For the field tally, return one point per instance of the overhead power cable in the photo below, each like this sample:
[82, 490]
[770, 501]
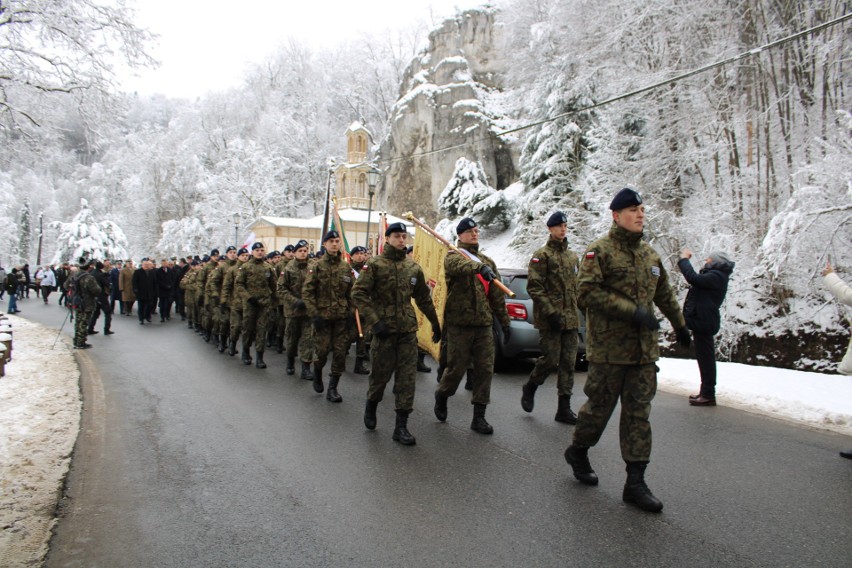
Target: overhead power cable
[657, 85]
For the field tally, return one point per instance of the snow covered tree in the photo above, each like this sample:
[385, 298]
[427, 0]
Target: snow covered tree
[183, 237]
[24, 231]
[86, 238]
[468, 194]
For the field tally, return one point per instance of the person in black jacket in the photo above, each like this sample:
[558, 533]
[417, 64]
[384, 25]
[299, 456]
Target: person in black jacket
[701, 311]
[145, 290]
[165, 276]
[101, 274]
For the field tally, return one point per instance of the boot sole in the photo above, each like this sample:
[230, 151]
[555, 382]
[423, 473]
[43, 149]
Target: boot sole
[579, 476]
[649, 508]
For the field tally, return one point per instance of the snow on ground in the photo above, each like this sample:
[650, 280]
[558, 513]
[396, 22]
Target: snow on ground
[40, 409]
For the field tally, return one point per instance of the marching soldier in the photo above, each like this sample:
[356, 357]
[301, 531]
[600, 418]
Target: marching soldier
[206, 311]
[358, 255]
[327, 295]
[383, 294]
[232, 298]
[189, 287]
[472, 304]
[552, 285]
[299, 337]
[621, 279]
[256, 283]
[221, 309]
[86, 292]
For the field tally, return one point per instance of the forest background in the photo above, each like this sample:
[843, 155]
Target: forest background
[752, 157]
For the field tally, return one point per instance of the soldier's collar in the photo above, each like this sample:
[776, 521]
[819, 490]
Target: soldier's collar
[469, 247]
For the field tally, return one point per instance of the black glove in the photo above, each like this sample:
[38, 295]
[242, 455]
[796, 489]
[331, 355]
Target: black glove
[436, 333]
[252, 301]
[507, 334]
[486, 272]
[683, 337]
[381, 330]
[319, 323]
[643, 318]
[299, 305]
[555, 322]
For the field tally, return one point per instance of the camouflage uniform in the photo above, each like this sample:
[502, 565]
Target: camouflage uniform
[327, 295]
[469, 312]
[221, 303]
[234, 300]
[299, 331]
[361, 343]
[88, 291]
[619, 273]
[383, 293]
[552, 285]
[211, 291]
[280, 328]
[256, 283]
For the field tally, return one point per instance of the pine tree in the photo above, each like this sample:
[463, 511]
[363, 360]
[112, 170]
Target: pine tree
[86, 238]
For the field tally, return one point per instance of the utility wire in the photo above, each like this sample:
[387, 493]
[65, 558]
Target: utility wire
[723, 62]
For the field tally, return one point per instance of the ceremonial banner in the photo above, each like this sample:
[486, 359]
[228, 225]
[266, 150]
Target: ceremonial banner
[429, 253]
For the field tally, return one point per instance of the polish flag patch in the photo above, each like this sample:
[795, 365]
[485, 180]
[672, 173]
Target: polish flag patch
[590, 255]
[536, 260]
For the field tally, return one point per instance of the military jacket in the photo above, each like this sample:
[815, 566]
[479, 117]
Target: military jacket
[203, 274]
[327, 291]
[467, 303]
[213, 285]
[88, 289]
[552, 284]
[385, 288]
[290, 285]
[256, 279]
[229, 291]
[618, 273]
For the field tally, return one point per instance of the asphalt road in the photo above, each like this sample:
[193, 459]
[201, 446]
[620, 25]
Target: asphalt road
[188, 458]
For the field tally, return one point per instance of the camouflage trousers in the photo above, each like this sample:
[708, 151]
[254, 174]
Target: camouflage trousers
[636, 386]
[300, 338]
[210, 316]
[466, 346]
[396, 355]
[360, 342]
[81, 325]
[236, 322]
[255, 323]
[334, 337]
[280, 324]
[558, 353]
[222, 317]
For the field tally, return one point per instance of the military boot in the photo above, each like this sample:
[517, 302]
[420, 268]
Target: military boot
[479, 424]
[207, 335]
[440, 372]
[291, 365]
[528, 396]
[223, 343]
[440, 407]
[279, 344]
[246, 355]
[422, 367]
[563, 411]
[360, 369]
[317, 378]
[635, 490]
[259, 362]
[578, 458]
[232, 348]
[332, 395]
[370, 414]
[306, 372]
[401, 433]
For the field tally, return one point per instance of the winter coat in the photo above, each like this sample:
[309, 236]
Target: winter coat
[468, 303]
[114, 274]
[144, 285]
[11, 283]
[843, 292]
[327, 290]
[125, 284]
[290, 285]
[706, 294]
[619, 273]
[552, 285]
[47, 278]
[165, 279]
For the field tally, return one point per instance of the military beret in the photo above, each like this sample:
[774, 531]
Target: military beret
[625, 198]
[276, 253]
[395, 228]
[464, 225]
[230, 248]
[194, 263]
[332, 234]
[243, 250]
[196, 257]
[557, 219]
[145, 259]
[205, 258]
[356, 250]
[257, 245]
[214, 252]
[289, 248]
[301, 244]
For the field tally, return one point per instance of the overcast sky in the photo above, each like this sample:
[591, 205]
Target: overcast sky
[205, 45]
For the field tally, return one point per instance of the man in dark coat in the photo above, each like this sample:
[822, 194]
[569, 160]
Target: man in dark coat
[102, 277]
[115, 291]
[165, 278]
[701, 311]
[145, 290]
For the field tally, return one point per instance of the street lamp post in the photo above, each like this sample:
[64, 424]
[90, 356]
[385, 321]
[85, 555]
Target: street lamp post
[236, 229]
[372, 180]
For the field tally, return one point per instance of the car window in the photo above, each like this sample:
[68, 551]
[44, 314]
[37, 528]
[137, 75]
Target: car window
[518, 285]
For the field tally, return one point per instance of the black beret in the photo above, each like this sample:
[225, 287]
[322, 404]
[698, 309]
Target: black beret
[301, 244]
[625, 198]
[214, 252]
[557, 219]
[205, 258]
[356, 250]
[288, 248]
[243, 250]
[395, 228]
[257, 245]
[145, 259]
[269, 255]
[194, 263]
[196, 257]
[332, 234]
[230, 248]
[464, 225]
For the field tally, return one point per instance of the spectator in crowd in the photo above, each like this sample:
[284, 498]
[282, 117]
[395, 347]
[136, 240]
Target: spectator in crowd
[11, 287]
[47, 281]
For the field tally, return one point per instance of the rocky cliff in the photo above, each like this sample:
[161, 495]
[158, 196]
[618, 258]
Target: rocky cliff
[448, 110]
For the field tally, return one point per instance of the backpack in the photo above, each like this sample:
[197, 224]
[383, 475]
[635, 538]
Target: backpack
[73, 299]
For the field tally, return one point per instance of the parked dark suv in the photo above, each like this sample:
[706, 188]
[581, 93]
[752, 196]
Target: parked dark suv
[524, 340]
